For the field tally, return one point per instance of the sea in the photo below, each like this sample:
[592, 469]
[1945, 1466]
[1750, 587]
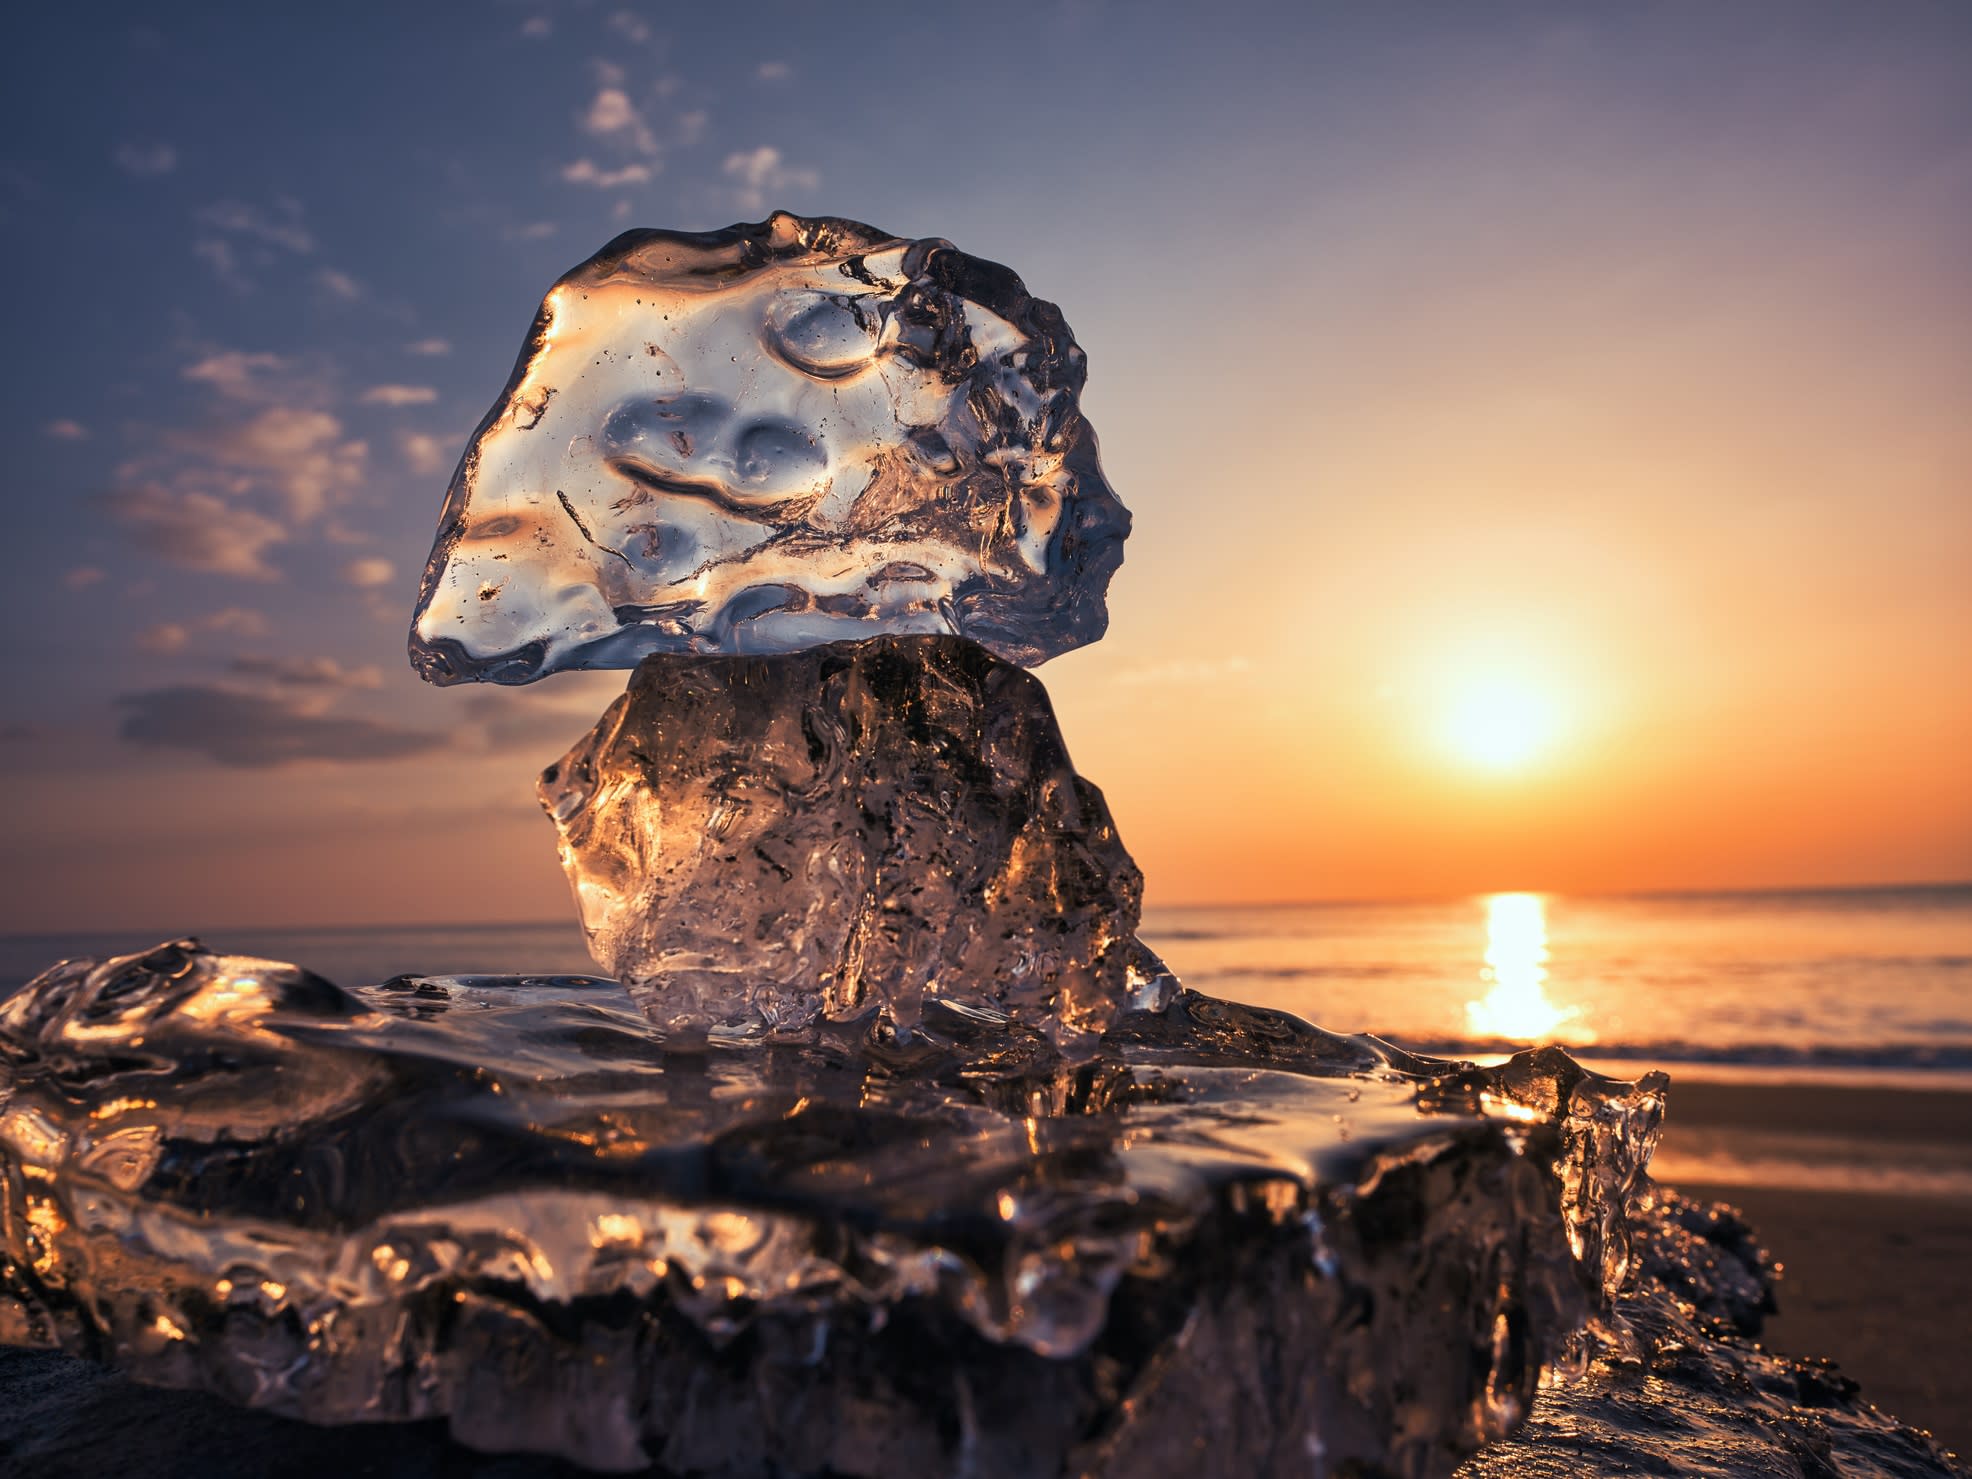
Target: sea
[1850, 983]
[1777, 994]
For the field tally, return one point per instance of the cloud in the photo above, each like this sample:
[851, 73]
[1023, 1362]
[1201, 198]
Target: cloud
[241, 621]
[761, 170]
[198, 531]
[67, 431]
[617, 122]
[369, 571]
[612, 116]
[306, 672]
[429, 346]
[84, 576]
[399, 395]
[339, 284]
[295, 451]
[425, 454]
[279, 227]
[271, 436]
[537, 28]
[523, 721]
[253, 730]
[630, 26]
[530, 230]
[224, 262]
[239, 236]
[773, 71]
[174, 636]
[587, 172]
[234, 373]
[164, 638]
[610, 112]
[148, 160]
[691, 126]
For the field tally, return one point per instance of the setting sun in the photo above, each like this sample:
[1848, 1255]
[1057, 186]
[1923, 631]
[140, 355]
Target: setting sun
[1500, 722]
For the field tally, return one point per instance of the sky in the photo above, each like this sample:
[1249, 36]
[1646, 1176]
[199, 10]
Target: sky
[1545, 424]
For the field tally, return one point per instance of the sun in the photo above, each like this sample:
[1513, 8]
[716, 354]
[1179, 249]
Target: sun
[1500, 722]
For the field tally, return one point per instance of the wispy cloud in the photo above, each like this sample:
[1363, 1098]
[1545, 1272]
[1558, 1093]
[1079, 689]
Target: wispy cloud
[429, 346]
[218, 254]
[165, 638]
[281, 226]
[198, 531]
[84, 576]
[529, 230]
[537, 28]
[234, 373]
[399, 395]
[773, 71]
[424, 453]
[306, 672]
[630, 26]
[619, 125]
[273, 434]
[259, 729]
[759, 172]
[339, 284]
[511, 720]
[240, 621]
[146, 161]
[67, 431]
[238, 239]
[369, 572]
[587, 172]
[298, 453]
[613, 116]
[169, 637]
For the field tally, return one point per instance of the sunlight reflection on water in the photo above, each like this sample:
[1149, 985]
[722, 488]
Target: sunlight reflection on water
[1516, 1005]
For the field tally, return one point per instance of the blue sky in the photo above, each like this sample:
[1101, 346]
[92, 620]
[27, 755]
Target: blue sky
[1395, 314]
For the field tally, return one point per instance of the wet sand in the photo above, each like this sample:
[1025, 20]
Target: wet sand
[1878, 1280]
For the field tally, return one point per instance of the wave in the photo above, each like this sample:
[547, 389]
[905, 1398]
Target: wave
[1914, 1056]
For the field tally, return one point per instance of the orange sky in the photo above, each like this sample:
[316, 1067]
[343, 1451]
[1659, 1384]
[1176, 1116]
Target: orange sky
[1629, 359]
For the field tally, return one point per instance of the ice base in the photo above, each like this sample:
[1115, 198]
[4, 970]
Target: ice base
[756, 842]
[1230, 1244]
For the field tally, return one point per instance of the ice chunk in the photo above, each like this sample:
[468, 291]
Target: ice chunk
[762, 438]
[755, 842]
[1232, 1244]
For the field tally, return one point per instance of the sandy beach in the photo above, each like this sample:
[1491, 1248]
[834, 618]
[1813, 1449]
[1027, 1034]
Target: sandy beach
[1860, 1193]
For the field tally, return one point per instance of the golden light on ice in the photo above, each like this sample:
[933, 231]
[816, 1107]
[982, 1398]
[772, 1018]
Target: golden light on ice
[1516, 1005]
[1500, 721]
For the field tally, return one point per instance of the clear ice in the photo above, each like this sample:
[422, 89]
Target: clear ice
[758, 841]
[768, 437]
[1230, 1244]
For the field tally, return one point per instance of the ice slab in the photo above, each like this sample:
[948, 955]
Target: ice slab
[757, 439]
[757, 842]
[1231, 1244]
[1700, 1398]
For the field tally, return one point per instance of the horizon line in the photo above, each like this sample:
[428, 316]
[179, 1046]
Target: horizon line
[1330, 902]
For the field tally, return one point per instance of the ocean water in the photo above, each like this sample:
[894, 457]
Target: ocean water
[1865, 981]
